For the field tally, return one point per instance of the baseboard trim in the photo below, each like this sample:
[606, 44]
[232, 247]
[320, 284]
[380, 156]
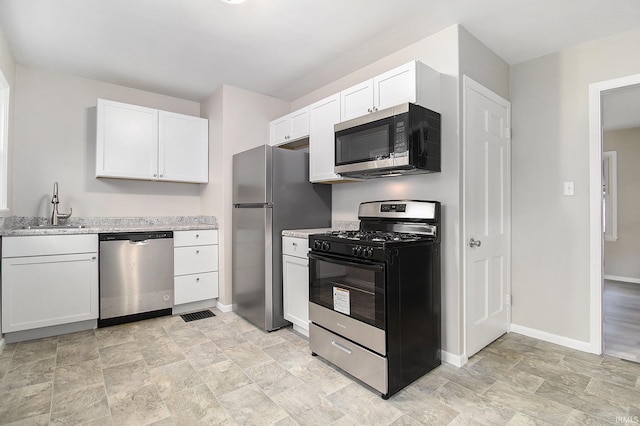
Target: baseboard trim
[455, 360]
[552, 338]
[622, 279]
[224, 308]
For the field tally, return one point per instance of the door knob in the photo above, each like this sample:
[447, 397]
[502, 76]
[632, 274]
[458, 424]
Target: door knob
[474, 243]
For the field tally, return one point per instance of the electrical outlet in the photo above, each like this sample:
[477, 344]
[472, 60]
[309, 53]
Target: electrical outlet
[569, 188]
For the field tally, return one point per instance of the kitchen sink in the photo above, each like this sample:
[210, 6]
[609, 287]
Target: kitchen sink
[52, 227]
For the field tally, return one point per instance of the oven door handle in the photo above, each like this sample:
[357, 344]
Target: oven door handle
[377, 267]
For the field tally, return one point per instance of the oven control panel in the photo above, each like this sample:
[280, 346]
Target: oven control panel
[350, 249]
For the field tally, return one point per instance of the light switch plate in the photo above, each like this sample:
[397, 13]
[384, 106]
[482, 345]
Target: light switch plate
[569, 188]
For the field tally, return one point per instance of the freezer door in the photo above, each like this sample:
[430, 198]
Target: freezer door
[252, 176]
[251, 265]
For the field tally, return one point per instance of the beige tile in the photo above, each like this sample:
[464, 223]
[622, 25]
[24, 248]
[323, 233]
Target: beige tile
[41, 420]
[248, 405]
[225, 336]
[175, 377]
[406, 421]
[272, 378]
[197, 405]
[306, 406]
[74, 353]
[263, 339]
[188, 337]
[288, 354]
[162, 354]
[79, 405]
[123, 353]
[475, 381]
[246, 355]
[321, 376]
[224, 377]
[554, 373]
[115, 335]
[493, 367]
[480, 408]
[25, 402]
[151, 336]
[126, 377]
[204, 355]
[84, 374]
[30, 373]
[80, 337]
[617, 395]
[520, 419]
[34, 350]
[138, 406]
[364, 406]
[579, 418]
[238, 323]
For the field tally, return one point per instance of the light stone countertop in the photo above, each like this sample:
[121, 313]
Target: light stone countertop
[15, 226]
[336, 226]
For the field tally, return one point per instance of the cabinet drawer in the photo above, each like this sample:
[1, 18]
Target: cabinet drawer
[195, 238]
[196, 259]
[361, 363]
[195, 287]
[294, 246]
[47, 245]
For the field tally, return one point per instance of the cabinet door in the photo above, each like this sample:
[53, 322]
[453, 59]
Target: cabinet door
[323, 116]
[195, 287]
[357, 100]
[183, 145]
[126, 141]
[295, 272]
[42, 291]
[280, 129]
[395, 87]
[299, 124]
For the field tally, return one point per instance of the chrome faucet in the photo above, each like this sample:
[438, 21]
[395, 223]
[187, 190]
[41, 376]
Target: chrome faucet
[55, 200]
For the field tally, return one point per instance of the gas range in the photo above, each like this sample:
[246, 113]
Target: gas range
[383, 225]
[374, 294]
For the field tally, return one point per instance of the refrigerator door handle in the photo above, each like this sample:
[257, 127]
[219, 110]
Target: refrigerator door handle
[253, 206]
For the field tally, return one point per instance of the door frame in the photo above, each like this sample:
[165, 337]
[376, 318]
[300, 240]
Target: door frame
[469, 83]
[596, 236]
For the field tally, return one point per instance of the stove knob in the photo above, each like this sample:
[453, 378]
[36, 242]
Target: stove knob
[326, 246]
[356, 250]
[367, 252]
[317, 245]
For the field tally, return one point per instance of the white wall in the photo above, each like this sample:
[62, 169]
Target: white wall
[621, 256]
[54, 140]
[550, 232]
[449, 52]
[8, 67]
[239, 120]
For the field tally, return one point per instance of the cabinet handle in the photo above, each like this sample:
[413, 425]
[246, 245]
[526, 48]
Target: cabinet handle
[161, 175]
[369, 110]
[375, 109]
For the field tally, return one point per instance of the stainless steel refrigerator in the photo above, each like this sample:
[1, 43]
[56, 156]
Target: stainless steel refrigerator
[271, 192]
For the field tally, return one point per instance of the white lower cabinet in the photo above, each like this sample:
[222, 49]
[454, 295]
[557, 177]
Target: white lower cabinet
[195, 265]
[295, 276]
[48, 280]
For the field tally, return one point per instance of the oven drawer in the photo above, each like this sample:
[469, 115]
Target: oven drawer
[365, 365]
[363, 333]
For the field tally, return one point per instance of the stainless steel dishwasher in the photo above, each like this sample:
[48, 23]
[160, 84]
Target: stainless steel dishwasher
[136, 276]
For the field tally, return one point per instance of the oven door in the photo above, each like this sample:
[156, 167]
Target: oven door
[352, 287]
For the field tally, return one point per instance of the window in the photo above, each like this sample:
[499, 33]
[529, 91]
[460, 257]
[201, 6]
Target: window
[4, 139]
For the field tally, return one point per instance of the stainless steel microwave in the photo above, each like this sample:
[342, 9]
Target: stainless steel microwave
[404, 139]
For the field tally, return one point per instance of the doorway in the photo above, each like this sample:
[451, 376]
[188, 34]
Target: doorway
[598, 94]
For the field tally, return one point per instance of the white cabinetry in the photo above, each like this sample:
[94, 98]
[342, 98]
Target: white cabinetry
[195, 265]
[412, 82]
[323, 115]
[134, 142]
[48, 280]
[295, 276]
[291, 127]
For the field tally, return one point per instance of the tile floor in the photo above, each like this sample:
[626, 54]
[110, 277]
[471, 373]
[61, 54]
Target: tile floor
[222, 370]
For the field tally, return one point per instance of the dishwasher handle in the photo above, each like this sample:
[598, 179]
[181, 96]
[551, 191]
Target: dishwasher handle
[139, 242]
[135, 237]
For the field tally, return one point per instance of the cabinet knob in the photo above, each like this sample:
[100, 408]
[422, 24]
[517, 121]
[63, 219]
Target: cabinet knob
[369, 110]
[161, 175]
[93, 258]
[197, 251]
[295, 244]
[198, 279]
[375, 109]
[197, 235]
[155, 175]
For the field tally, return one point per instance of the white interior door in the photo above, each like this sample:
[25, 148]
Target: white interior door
[487, 210]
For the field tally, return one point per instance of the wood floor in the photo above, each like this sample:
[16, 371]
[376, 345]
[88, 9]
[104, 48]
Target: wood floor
[622, 320]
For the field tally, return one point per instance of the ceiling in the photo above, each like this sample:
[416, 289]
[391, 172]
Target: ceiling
[282, 48]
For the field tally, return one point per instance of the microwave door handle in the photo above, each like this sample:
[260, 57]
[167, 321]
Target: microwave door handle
[371, 266]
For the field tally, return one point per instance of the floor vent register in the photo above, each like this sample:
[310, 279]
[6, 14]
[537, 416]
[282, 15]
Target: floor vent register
[197, 315]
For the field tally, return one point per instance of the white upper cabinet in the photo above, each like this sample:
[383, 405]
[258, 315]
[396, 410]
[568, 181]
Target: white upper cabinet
[290, 128]
[183, 148]
[412, 82]
[323, 115]
[134, 142]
